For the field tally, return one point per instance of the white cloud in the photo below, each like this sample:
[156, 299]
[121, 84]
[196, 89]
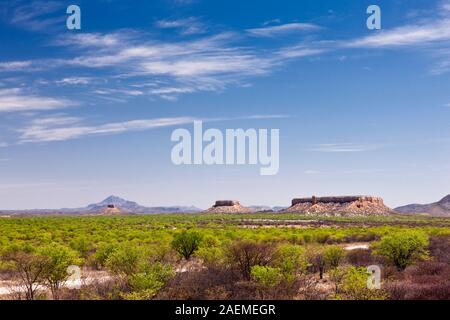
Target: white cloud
[132, 58]
[107, 91]
[210, 63]
[187, 26]
[273, 21]
[278, 30]
[75, 81]
[342, 148]
[409, 35]
[96, 40]
[299, 51]
[15, 66]
[60, 127]
[65, 128]
[430, 33]
[34, 15]
[15, 99]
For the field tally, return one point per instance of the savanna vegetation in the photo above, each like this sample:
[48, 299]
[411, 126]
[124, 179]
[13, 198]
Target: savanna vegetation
[258, 256]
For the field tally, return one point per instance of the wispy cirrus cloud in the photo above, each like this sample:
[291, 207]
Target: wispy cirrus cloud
[62, 128]
[16, 99]
[186, 26]
[342, 147]
[73, 81]
[109, 91]
[15, 66]
[34, 15]
[408, 35]
[167, 69]
[429, 33]
[131, 57]
[95, 40]
[282, 29]
[210, 63]
[301, 50]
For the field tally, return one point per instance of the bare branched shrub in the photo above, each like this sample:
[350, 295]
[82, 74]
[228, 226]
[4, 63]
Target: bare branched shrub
[362, 258]
[200, 285]
[243, 255]
[98, 290]
[29, 268]
[427, 280]
[439, 248]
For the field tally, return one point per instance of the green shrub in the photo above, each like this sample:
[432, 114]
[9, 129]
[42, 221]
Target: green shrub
[351, 284]
[333, 256]
[82, 245]
[103, 252]
[291, 260]
[211, 256]
[148, 281]
[266, 276]
[403, 248]
[125, 260]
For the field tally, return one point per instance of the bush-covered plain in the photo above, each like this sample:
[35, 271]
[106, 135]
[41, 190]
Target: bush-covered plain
[214, 256]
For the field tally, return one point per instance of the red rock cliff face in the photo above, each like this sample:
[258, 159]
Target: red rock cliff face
[340, 206]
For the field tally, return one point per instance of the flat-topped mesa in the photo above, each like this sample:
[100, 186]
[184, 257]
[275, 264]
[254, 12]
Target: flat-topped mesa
[340, 206]
[228, 206]
[341, 200]
[226, 203]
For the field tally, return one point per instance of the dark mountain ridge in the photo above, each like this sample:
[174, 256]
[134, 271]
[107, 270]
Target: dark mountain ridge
[440, 208]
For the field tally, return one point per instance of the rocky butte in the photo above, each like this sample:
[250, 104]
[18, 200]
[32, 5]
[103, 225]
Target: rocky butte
[228, 206]
[340, 206]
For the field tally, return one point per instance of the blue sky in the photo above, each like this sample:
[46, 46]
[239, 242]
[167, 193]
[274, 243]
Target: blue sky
[89, 113]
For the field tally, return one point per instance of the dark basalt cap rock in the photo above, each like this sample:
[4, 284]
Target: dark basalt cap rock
[226, 203]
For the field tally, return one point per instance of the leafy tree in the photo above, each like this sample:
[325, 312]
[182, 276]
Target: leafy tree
[403, 248]
[58, 259]
[186, 243]
[268, 277]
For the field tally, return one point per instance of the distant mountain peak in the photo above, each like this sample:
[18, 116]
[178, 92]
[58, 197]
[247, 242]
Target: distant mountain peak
[445, 199]
[113, 198]
[112, 205]
[116, 201]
